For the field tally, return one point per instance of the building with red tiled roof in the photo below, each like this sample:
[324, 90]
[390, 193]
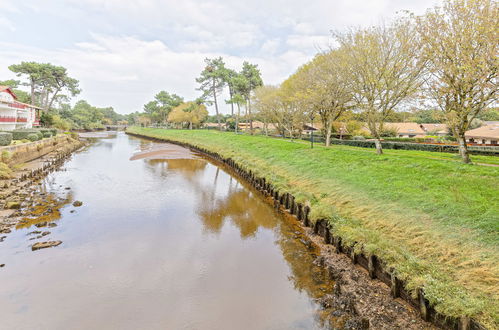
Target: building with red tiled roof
[15, 114]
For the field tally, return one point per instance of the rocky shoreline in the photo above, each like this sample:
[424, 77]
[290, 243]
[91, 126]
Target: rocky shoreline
[23, 203]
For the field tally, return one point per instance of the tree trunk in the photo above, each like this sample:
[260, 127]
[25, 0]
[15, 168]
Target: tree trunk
[379, 148]
[328, 134]
[463, 149]
[33, 91]
[216, 105]
[250, 118]
[231, 103]
[52, 99]
[190, 125]
[237, 117]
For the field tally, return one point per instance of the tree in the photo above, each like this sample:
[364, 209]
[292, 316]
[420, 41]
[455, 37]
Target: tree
[460, 42]
[253, 80]
[160, 107]
[46, 81]
[240, 86]
[192, 113]
[384, 68]
[228, 77]
[324, 87]
[212, 80]
[266, 101]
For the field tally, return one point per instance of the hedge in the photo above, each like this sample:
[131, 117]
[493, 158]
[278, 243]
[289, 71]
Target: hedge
[493, 151]
[5, 138]
[33, 137]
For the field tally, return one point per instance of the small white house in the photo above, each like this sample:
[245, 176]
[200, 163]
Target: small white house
[15, 114]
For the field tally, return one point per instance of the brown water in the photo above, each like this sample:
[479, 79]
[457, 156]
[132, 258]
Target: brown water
[165, 239]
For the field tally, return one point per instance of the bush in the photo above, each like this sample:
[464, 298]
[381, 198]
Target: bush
[54, 131]
[21, 134]
[358, 138]
[400, 139]
[416, 146]
[33, 137]
[5, 138]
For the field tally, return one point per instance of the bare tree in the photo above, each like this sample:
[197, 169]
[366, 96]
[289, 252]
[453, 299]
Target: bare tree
[384, 67]
[461, 44]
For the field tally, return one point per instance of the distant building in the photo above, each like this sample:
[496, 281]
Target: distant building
[485, 135]
[15, 114]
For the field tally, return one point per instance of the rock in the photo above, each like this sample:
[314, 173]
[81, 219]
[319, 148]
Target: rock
[34, 232]
[41, 224]
[77, 203]
[67, 188]
[72, 211]
[44, 245]
[12, 205]
[52, 224]
[2, 265]
[45, 233]
[356, 323]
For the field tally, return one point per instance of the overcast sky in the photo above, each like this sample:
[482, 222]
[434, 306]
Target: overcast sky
[124, 51]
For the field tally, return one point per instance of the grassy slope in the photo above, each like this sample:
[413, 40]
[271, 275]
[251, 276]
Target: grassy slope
[434, 219]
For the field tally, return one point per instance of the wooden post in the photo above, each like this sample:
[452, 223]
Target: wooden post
[371, 266]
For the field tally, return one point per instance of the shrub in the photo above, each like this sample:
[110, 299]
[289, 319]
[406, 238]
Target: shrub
[400, 139]
[33, 137]
[5, 138]
[417, 146]
[46, 132]
[21, 134]
[358, 138]
[54, 131]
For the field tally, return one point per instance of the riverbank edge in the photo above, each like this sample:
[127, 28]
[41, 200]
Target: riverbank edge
[37, 169]
[375, 266]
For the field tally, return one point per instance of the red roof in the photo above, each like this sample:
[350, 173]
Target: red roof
[8, 90]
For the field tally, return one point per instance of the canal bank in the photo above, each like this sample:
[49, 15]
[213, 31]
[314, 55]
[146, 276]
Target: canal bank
[26, 165]
[377, 267]
[167, 238]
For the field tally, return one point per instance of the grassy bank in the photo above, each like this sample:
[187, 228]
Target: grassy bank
[435, 220]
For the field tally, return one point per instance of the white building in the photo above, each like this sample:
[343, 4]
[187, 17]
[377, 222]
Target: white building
[15, 114]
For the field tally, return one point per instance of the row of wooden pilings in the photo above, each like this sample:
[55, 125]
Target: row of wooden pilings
[374, 265]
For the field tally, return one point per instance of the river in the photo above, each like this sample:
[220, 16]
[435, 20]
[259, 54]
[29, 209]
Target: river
[165, 239]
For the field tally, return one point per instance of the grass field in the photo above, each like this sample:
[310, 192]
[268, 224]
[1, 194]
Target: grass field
[432, 218]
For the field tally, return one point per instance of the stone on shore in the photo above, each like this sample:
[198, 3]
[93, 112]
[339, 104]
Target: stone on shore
[43, 245]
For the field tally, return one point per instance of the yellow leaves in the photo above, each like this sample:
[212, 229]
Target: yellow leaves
[188, 112]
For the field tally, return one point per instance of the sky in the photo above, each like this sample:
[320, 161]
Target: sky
[123, 52]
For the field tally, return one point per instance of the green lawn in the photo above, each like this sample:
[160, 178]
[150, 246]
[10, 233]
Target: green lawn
[434, 219]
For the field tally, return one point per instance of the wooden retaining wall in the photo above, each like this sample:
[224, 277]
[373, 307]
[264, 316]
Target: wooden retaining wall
[376, 268]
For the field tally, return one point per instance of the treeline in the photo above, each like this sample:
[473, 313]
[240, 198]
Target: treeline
[215, 77]
[445, 60]
[51, 88]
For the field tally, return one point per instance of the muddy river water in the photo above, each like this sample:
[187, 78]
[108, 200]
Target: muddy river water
[165, 239]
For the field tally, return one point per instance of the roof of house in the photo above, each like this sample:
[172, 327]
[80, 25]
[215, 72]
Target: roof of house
[406, 128]
[8, 90]
[486, 131]
[439, 128]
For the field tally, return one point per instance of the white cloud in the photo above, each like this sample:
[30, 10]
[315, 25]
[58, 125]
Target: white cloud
[128, 50]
